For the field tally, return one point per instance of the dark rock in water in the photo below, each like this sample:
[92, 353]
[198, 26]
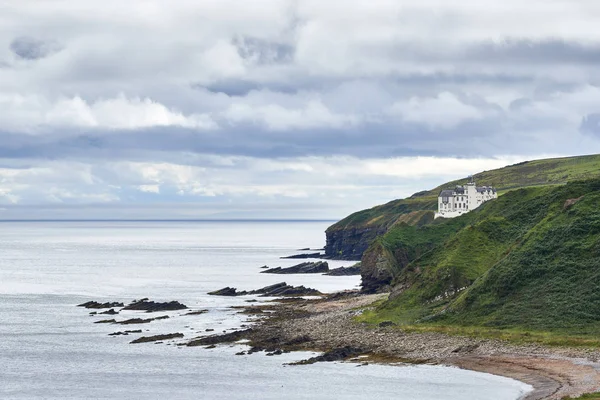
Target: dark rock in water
[241, 353]
[293, 291]
[278, 289]
[124, 333]
[151, 306]
[209, 330]
[156, 338]
[140, 320]
[277, 352]
[264, 267]
[106, 321]
[212, 346]
[110, 312]
[93, 313]
[345, 271]
[224, 338]
[197, 312]
[96, 305]
[226, 291]
[333, 355]
[304, 268]
[304, 249]
[300, 256]
[385, 324]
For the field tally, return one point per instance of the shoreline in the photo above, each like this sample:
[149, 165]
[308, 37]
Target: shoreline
[326, 324]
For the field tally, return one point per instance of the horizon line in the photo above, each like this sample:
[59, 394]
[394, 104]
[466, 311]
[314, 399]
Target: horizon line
[175, 220]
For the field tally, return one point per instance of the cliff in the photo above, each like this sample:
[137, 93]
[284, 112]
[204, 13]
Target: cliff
[349, 238]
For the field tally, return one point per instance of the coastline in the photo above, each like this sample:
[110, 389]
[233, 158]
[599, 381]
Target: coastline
[326, 324]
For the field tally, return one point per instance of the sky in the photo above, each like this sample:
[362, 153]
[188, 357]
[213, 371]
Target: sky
[146, 109]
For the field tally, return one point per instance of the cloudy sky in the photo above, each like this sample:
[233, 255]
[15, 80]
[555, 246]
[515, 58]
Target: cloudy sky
[281, 108]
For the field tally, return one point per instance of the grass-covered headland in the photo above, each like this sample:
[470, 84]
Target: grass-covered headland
[524, 267]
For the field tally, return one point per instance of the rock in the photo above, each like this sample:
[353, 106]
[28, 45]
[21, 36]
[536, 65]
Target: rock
[303, 268]
[241, 353]
[124, 333]
[571, 202]
[345, 271]
[209, 330]
[305, 249]
[300, 256]
[140, 320]
[110, 312]
[156, 338]
[264, 267]
[385, 324]
[95, 304]
[106, 321]
[224, 338]
[151, 306]
[212, 346]
[333, 355]
[278, 289]
[226, 291]
[277, 352]
[293, 291]
[197, 312]
[467, 348]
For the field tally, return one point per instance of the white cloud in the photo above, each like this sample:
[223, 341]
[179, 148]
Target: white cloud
[32, 113]
[443, 111]
[314, 114]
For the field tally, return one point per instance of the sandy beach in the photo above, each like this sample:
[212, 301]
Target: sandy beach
[323, 325]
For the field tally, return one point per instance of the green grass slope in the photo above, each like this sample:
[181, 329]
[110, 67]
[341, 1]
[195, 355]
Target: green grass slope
[524, 261]
[553, 171]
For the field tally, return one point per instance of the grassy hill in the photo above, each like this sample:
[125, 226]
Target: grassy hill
[350, 237]
[528, 261]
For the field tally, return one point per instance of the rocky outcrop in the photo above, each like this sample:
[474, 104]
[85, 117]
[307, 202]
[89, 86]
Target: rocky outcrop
[305, 255]
[151, 306]
[97, 305]
[345, 271]
[350, 243]
[303, 268]
[278, 289]
[225, 338]
[376, 271]
[338, 354]
[132, 321]
[125, 333]
[156, 338]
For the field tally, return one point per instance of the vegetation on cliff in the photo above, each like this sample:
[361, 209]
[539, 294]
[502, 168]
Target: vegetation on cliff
[350, 237]
[529, 260]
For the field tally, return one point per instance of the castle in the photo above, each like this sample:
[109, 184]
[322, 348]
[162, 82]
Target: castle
[461, 200]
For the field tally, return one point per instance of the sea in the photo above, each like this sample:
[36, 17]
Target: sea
[51, 349]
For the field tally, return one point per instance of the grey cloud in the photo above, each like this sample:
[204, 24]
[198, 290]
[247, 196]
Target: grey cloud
[590, 124]
[529, 51]
[32, 49]
[261, 51]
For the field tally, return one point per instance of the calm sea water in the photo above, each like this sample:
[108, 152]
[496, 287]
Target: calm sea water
[51, 349]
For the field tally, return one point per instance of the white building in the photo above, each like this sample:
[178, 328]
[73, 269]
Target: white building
[453, 203]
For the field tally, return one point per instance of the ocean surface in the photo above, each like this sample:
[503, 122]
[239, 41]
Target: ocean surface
[50, 349]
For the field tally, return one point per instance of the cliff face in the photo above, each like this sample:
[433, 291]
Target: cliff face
[351, 243]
